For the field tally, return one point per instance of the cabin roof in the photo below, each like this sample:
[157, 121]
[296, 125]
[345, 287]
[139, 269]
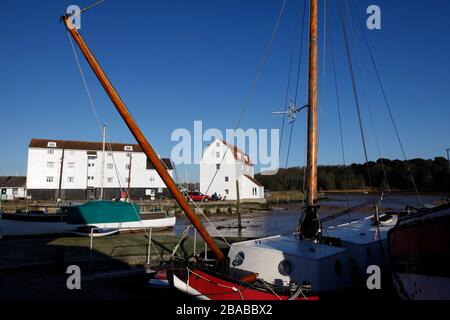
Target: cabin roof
[13, 182]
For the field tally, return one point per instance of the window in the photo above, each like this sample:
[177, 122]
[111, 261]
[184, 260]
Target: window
[109, 154]
[50, 164]
[51, 144]
[227, 191]
[152, 179]
[90, 177]
[226, 179]
[128, 148]
[217, 154]
[70, 179]
[49, 179]
[90, 164]
[109, 180]
[15, 191]
[160, 190]
[71, 164]
[129, 154]
[50, 151]
[127, 166]
[255, 191]
[110, 166]
[218, 166]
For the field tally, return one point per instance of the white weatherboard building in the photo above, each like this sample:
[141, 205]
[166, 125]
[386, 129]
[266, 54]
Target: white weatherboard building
[13, 188]
[236, 166]
[76, 168]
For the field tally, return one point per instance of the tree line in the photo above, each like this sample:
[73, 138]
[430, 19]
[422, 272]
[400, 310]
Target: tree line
[432, 175]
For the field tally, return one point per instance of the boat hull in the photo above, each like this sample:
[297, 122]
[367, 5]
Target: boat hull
[203, 285]
[13, 228]
[419, 253]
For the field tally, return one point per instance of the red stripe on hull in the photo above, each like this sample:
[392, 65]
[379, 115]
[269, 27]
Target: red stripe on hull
[219, 289]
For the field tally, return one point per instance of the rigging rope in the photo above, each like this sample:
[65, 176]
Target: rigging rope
[355, 91]
[288, 86]
[366, 93]
[302, 32]
[94, 109]
[338, 104]
[252, 88]
[388, 106]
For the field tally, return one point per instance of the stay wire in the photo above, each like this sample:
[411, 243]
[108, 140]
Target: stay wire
[366, 93]
[388, 106]
[355, 91]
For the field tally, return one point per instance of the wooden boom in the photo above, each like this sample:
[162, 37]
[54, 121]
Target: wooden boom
[140, 138]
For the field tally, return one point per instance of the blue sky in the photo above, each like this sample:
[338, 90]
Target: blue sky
[177, 61]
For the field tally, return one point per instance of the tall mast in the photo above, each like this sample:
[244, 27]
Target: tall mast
[312, 104]
[310, 223]
[140, 138]
[102, 174]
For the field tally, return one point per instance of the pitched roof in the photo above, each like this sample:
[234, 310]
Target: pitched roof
[91, 146]
[253, 180]
[81, 145]
[238, 154]
[13, 182]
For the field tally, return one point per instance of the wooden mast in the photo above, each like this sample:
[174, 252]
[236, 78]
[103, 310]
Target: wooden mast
[310, 223]
[312, 106]
[140, 138]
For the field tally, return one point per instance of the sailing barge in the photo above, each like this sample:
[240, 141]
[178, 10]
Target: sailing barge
[297, 266]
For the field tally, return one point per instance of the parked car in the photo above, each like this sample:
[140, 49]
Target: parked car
[198, 196]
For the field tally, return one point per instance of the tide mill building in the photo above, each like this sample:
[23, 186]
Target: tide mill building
[81, 170]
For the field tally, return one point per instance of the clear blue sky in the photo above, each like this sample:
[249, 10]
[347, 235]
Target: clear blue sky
[177, 61]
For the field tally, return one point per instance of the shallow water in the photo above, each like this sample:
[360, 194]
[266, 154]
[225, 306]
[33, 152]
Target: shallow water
[270, 223]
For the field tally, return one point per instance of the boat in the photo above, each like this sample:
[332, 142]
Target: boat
[316, 260]
[254, 289]
[120, 215]
[419, 254]
[93, 231]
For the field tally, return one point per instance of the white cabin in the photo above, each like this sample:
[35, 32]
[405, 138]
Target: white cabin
[229, 165]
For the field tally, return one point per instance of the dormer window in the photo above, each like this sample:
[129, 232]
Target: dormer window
[128, 148]
[51, 144]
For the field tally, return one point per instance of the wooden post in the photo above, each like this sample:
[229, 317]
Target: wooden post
[61, 174]
[129, 175]
[448, 158]
[140, 138]
[238, 205]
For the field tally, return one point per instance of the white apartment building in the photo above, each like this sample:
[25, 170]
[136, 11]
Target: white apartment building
[236, 166]
[75, 167]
